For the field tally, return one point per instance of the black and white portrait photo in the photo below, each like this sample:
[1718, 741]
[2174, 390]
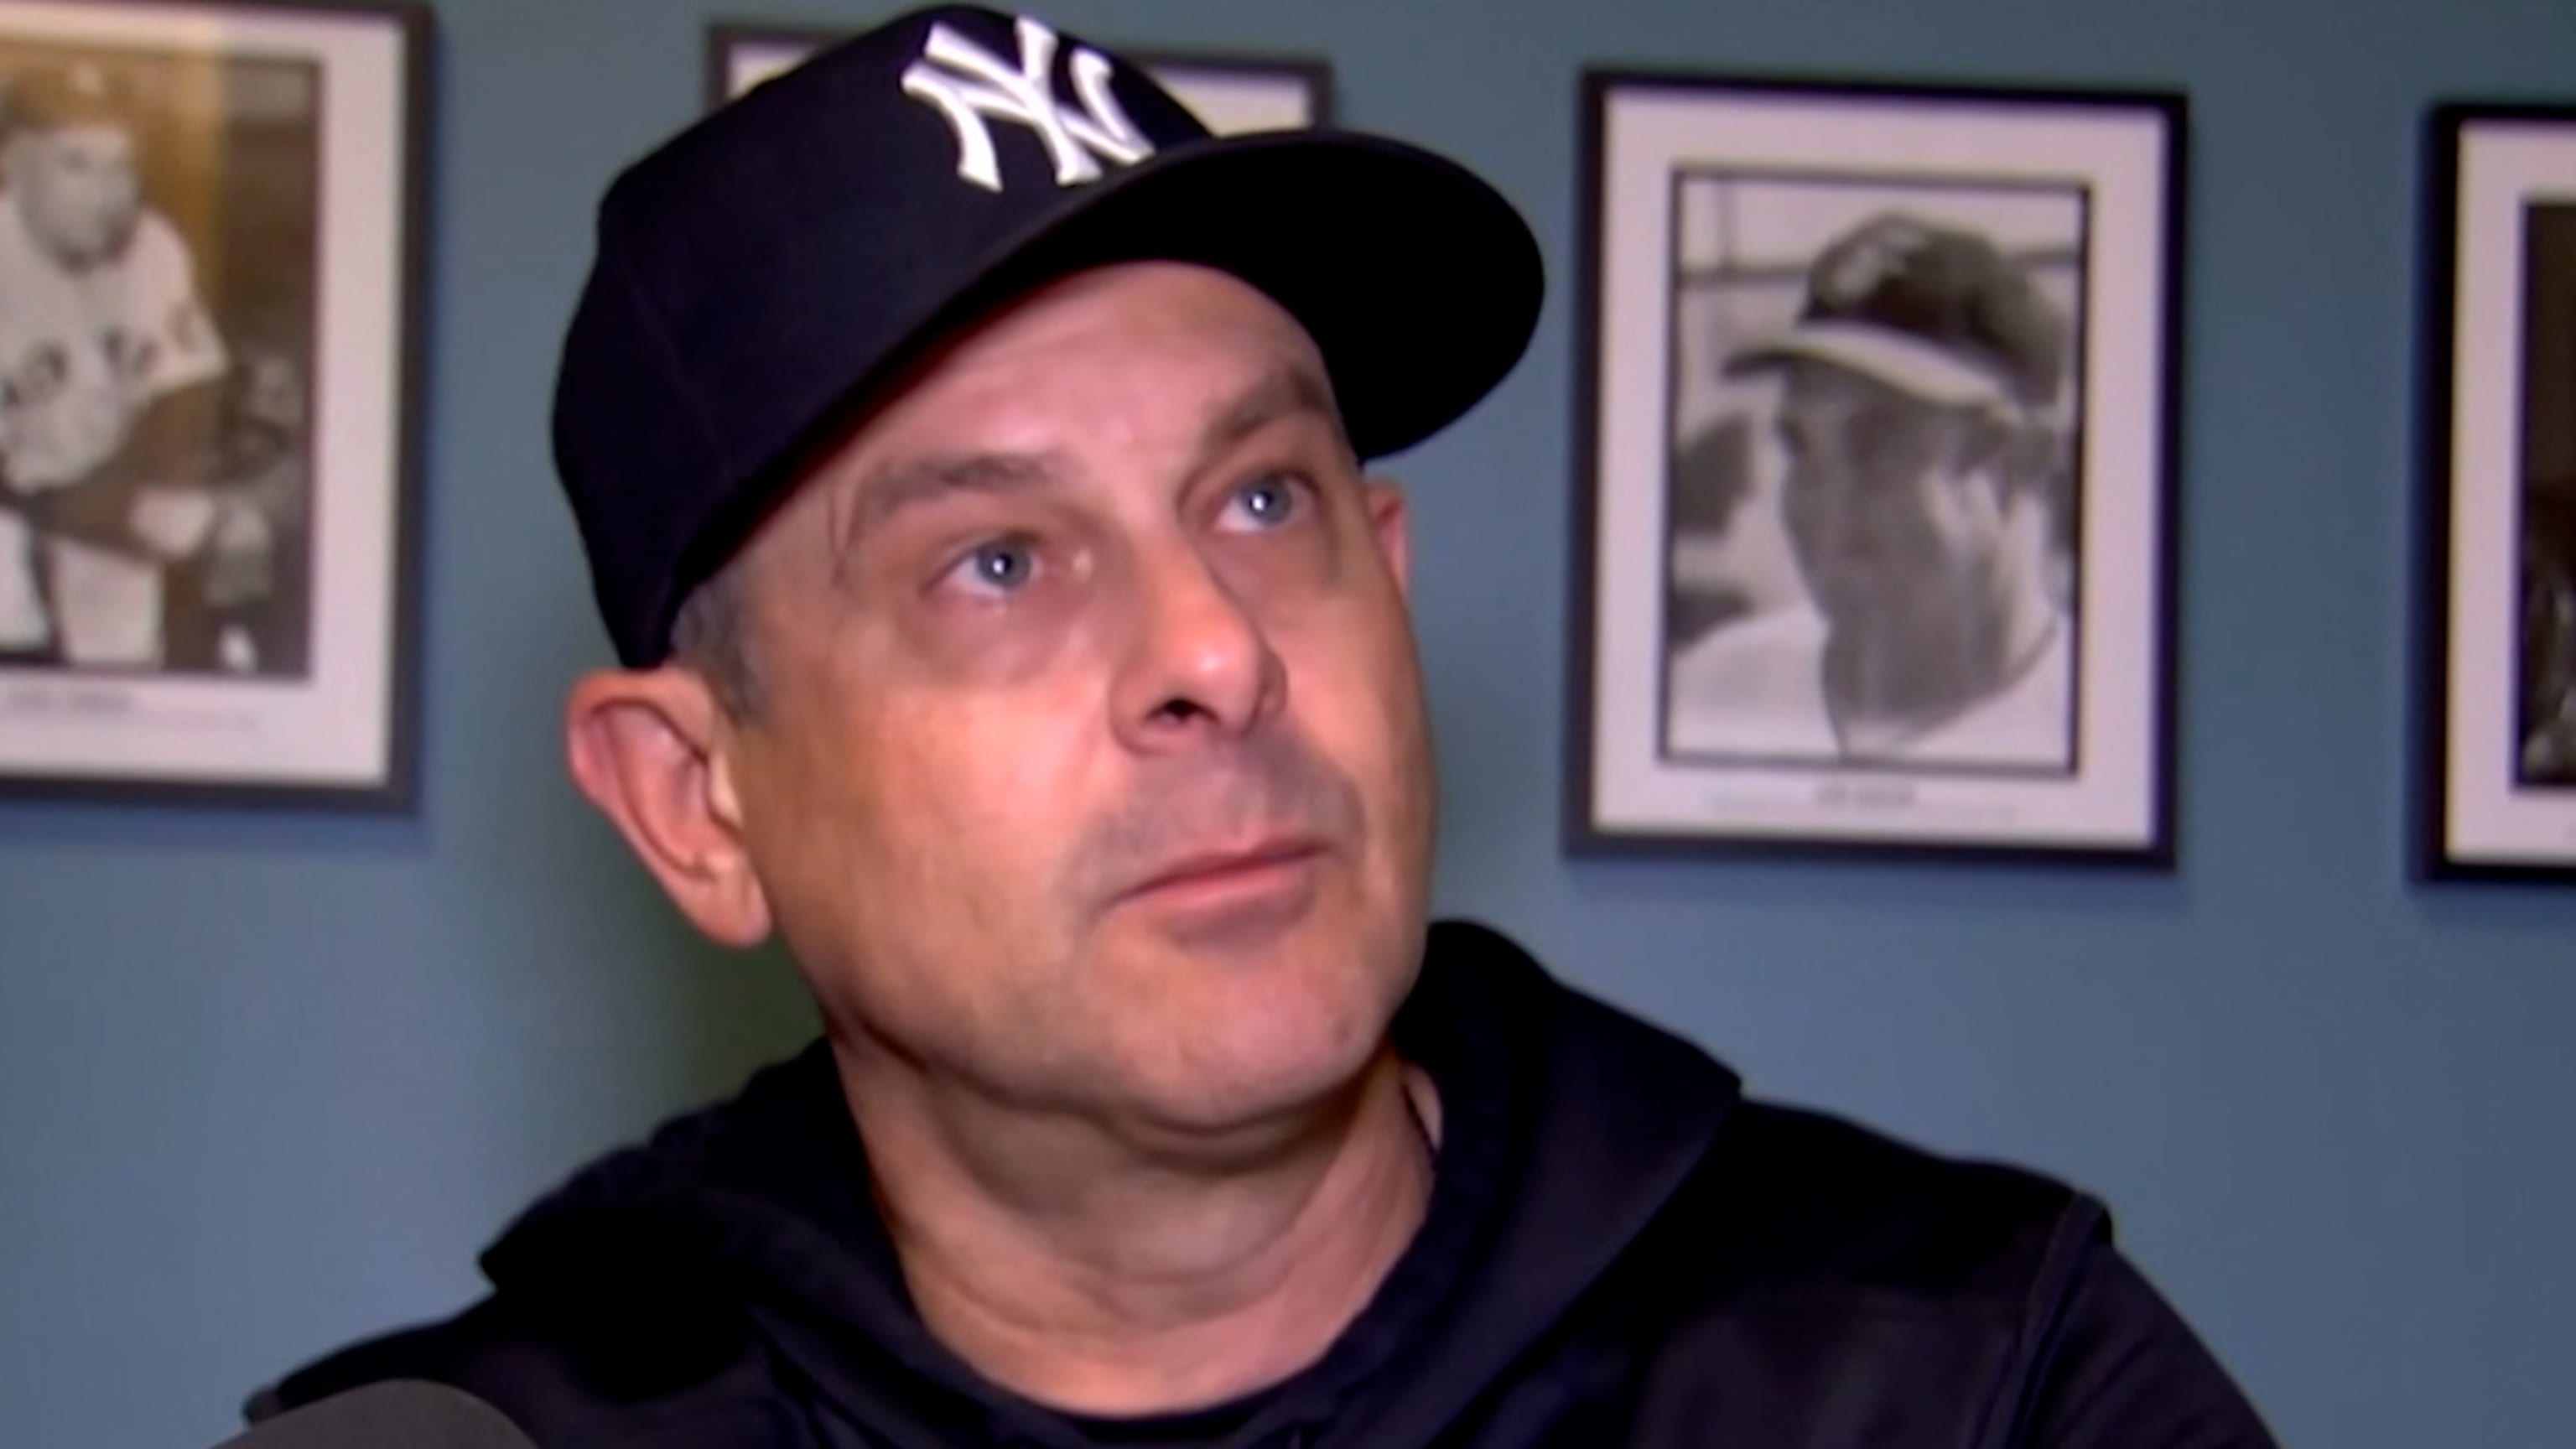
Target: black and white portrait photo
[1872, 488]
[1875, 541]
[156, 343]
[2497, 792]
[2546, 753]
[206, 280]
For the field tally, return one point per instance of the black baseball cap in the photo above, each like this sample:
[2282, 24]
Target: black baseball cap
[1937, 311]
[778, 264]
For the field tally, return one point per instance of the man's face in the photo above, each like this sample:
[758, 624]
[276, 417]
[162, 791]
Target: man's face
[1887, 522]
[78, 187]
[1091, 764]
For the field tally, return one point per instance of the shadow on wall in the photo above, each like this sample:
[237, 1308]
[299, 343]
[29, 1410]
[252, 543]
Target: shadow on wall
[742, 1014]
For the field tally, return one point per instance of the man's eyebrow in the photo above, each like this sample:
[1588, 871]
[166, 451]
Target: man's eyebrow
[1285, 391]
[883, 492]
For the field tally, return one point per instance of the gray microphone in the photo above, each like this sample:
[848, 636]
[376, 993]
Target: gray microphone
[399, 1414]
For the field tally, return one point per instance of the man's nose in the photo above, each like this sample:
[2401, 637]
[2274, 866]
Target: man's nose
[1197, 663]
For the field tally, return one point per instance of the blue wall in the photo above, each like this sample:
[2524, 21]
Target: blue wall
[267, 1082]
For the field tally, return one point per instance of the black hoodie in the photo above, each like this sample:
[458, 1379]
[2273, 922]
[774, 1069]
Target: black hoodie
[1619, 1250]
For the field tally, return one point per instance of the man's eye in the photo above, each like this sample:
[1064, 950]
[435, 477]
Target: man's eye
[1264, 503]
[1001, 566]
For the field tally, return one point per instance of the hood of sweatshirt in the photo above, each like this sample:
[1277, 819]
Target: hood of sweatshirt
[1566, 1127]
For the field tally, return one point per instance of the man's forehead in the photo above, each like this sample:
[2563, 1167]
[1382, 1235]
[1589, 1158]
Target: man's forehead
[86, 138]
[879, 475]
[1815, 384]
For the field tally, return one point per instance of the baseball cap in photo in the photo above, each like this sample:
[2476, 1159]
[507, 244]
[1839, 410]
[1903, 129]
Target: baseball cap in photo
[80, 93]
[1935, 311]
[777, 264]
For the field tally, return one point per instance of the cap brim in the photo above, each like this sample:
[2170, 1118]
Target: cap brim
[1902, 362]
[1419, 283]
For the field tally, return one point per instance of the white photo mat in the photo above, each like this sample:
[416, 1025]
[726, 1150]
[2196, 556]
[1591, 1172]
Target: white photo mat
[2493, 173]
[336, 733]
[2010, 161]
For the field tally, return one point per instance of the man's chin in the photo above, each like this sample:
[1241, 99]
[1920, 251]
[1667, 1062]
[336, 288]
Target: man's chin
[81, 253]
[1233, 1039]
[114, 239]
[1840, 593]
[1253, 1092]
[1862, 608]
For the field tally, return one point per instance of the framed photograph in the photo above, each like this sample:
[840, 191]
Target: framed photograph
[1232, 94]
[2498, 688]
[209, 268]
[1874, 526]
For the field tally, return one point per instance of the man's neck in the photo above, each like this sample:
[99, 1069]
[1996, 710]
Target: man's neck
[1081, 1274]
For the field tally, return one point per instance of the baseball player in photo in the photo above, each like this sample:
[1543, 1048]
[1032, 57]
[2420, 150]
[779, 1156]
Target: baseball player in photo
[1923, 496]
[110, 383]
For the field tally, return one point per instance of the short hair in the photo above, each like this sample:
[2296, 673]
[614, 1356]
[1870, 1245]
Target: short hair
[711, 635]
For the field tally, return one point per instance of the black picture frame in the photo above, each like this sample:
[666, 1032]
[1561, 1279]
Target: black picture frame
[337, 727]
[1310, 77]
[2495, 783]
[1660, 131]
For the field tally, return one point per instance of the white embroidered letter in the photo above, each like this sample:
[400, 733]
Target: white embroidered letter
[968, 84]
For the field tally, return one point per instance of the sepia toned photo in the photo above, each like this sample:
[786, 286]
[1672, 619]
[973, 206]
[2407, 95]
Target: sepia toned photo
[200, 542]
[156, 354]
[2498, 680]
[1874, 540]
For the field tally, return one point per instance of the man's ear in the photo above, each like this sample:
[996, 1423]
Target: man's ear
[651, 750]
[1391, 525]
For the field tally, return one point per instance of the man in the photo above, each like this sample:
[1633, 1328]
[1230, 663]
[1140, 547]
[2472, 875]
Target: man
[111, 378]
[968, 455]
[1925, 500]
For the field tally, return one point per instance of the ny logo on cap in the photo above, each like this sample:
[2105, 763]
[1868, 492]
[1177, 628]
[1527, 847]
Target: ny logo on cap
[968, 83]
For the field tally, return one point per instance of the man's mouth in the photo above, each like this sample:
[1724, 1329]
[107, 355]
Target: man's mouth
[1271, 875]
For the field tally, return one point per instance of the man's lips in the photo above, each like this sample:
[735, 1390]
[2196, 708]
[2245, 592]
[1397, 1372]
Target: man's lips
[1220, 871]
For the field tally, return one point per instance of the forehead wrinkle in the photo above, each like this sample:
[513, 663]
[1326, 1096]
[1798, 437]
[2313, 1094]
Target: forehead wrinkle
[892, 487]
[1290, 382]
[1287, 388]
[88, 140]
